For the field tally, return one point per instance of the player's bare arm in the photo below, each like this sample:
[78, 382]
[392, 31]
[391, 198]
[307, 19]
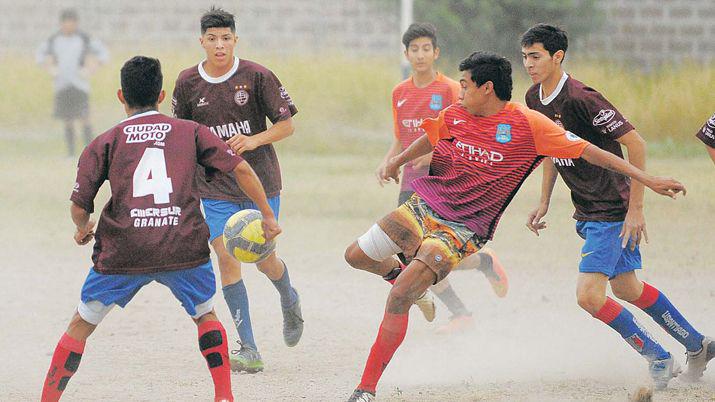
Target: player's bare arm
[241, 143]
[662, 185]
[534, 222]
[634, 228]
[421, 146]
[85, 227]
[380, 173]
[251, 185]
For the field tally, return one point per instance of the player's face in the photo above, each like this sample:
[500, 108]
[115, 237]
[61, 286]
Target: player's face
[421, 54]
[219, 43]
[472, 97]
[539, 64]
[68, 26]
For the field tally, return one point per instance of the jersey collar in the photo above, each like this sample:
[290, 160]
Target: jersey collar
[556, 92]
[136, 116]
[218, 80]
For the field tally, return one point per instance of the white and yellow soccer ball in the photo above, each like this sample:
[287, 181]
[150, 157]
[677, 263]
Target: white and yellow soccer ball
[243, 237]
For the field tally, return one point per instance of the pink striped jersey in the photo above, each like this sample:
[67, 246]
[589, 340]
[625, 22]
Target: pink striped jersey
[479, 162]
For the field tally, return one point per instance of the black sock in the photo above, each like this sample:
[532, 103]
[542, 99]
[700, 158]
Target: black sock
[485, 262]
[69, 137]
[452, 301]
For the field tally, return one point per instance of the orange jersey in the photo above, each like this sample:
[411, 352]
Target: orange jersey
[411, 105]
[479, 162]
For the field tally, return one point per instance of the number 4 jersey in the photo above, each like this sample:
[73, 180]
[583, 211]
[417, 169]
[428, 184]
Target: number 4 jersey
[152, 221]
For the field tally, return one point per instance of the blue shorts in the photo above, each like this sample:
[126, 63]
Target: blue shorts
[218, 211]
[194, 288]
[602, 251]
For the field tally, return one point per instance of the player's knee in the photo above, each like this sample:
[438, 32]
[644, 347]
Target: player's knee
[79, 328]
[627, 293]
[400, 299]
[590, 301]
[354, 256]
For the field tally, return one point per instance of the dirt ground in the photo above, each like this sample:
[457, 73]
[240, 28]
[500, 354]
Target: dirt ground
[534, 345]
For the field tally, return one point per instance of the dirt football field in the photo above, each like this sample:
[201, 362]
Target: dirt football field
[534, 345]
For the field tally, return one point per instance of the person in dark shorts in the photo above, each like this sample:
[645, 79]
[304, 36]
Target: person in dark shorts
[706, 134]
[71, 56]
[152, 228]
[609, 209]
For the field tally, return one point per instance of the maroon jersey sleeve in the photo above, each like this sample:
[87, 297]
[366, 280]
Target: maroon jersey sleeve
[590, 108]
[274, 99]
[179, 106]
[213, 154]
[707, 132]
[92, 171]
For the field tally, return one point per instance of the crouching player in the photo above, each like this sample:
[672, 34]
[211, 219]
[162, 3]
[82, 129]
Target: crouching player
[152, 228]
[483, 150]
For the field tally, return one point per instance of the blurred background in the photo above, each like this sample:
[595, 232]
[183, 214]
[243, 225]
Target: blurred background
[340, 59]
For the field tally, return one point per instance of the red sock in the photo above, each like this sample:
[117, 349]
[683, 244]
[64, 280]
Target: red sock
[213, 346]
[65, 362]
[389, 337]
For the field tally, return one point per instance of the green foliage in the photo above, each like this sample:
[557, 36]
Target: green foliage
[464, 26]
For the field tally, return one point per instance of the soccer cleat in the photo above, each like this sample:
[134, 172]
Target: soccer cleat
[362, 396]
[426, 305]
[456, 324]
[292, 323]
[697, 362]
[246, 359]
[662, 371]
[496, 275]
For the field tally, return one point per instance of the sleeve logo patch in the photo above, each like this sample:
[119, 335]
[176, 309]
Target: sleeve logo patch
[603, 117]
[572, 137]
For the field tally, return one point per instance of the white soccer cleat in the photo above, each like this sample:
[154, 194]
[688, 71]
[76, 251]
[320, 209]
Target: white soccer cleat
[697, 362]
[664, 370]
[426, 305]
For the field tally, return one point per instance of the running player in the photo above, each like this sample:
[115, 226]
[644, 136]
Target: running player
[484, 148]
[151, 229]
[609, 209]
[234, 97]
[707, 135]
[423, 95]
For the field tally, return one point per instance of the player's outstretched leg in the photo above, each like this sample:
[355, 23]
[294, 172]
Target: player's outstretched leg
[487, 262]
[247, 357]
[412, 283]
[380, 261]
[591, 295]
[66, 358]
[700, 349]
[214, 347]
[277, 271]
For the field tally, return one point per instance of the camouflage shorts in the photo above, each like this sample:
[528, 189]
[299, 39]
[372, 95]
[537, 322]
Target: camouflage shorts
[425, 236]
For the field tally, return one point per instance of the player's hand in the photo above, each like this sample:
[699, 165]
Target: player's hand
[633, 228]
[422, 162]
[534, 222]
[270, 226]
[392, 170]
[666, 186]
[380, 173]
[242, 143]
[83, 235]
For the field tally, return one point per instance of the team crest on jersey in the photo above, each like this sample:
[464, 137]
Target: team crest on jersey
[241, 97]
[503, 133]
[436, 102]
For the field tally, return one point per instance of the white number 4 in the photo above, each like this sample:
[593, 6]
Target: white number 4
[150, 177]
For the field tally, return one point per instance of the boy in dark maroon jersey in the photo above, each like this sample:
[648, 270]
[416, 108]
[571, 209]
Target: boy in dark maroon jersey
[483, 150]
[234, 97]
[609, 209]
[707, 135]
[152, 228]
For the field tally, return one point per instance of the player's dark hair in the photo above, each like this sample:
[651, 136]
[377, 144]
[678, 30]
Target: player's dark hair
[217, 17]
[141, 81]
[552, 37]
[69, 14]
[485, 66]
[420, 30]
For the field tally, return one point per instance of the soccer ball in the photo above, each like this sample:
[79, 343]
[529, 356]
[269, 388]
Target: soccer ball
[243, 237]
